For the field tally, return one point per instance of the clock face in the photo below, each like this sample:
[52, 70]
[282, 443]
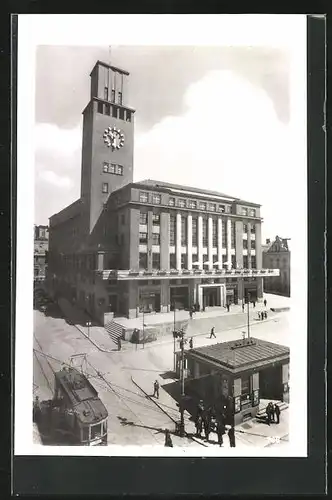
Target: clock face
[113, 138]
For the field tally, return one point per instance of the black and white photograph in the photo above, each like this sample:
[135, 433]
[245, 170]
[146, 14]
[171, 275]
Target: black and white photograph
[161, 302]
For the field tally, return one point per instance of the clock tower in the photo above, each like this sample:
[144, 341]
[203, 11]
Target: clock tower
[108, 140]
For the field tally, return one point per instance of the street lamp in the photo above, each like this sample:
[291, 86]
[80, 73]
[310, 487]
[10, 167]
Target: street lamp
[180, 336]
[248, 316]
[174, 345]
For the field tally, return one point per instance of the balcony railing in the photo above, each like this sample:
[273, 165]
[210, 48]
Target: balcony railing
[186, 273]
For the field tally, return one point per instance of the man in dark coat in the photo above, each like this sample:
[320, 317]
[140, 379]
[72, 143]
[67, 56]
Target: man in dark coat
[156, 389]
[207, 426]
[277, 413]
[212, 333]
[168, 439]
[199, 425]
[220, 431]
[231, 436]
[191, 343]
[272, 411]
[268, 414]
[265, 302]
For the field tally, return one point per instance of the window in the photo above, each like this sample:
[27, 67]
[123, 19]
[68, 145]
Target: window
[232, 234]
[245, 386]
[156, 199]
[171, 202]
[184, 231]
[143, 218]
[212, 207]
[184, 261]
[107, 109]
[112, 168]
[245, 262]
[143, 260]
[181, 203]
[245, 244]
[253, 229]
[128, 116]
[202, 205]
[233, 259]
[143, 238]
[156, 219]
[156, 261]
[100, 107]
[224, 233]
[221, 208]
[143, 197]
[194, 259]
[122, 114]
[114, 112]
[253, 243]
[155, 239]
[205, 233]
[106, 93]
[194, 233]
[192, 204]
[119, 169]
[215, 259]
[172, 261]
[105, 187]
[244, 211]
[172, 230]
[214, 233]
[252, 212]
[113, 95]
[245, 228]
[119, 97]
[228, 209]
[253, 262]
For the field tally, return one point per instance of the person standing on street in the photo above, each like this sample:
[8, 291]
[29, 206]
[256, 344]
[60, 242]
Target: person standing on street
[168, 439]
[254, 303]
[242, 306]
[227, 306]
[119, 344]
[268, 414]
[259, 315]
[272, 411]
[220, 431]
[231, 436]
[277, 413]
[156, 389]
[265, 302]
[191, 343]
[207, 426]
[265, 314]
[191, 314]
[212, 333]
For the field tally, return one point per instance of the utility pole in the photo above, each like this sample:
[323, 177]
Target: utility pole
[248, 316]
[143, 330]
[182, 342]
[174, 343]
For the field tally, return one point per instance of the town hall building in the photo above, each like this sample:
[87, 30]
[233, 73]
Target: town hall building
[126, 247]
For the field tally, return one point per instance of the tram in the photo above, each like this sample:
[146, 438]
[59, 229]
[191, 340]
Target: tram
[76, 412]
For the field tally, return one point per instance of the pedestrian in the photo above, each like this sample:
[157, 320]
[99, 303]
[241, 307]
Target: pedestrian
[272, 411]
[227, 307]
[207, 426]
[242, 306]
[119, 344]
[191, 343]
[191, 314]
[265, 314]
[254, 303]
[36, 410]
[156, 389]
[220, 432]
[268, 414]
[277, 413]
[231, 436]
[212, 333]
[168, 439]
[199, 425]
[265, 302]
[259, 315]
[200, 408]
[262, 315]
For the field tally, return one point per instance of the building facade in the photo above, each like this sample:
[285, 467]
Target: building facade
[277, 255]
[126, 247]
[41, 235]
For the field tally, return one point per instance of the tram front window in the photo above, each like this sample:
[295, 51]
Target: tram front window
[96, 431]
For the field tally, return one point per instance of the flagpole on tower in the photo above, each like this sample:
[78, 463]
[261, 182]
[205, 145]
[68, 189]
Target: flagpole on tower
[109, 54]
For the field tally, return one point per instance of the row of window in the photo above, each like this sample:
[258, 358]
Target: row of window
[112, 168]
[143, 238]
[252, 228]
[106, 95]
[143, 261]
[252, 244]
[248, 211]
[184, 203]
[143, 219]
[114, 111]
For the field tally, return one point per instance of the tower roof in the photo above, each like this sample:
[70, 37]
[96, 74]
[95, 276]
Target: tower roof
[114, 68]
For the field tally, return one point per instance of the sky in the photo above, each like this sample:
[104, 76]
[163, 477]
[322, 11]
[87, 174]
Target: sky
[211, 117]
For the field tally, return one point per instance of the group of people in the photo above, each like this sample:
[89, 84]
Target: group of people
[210, 421]
[262, 315]
[272, 413]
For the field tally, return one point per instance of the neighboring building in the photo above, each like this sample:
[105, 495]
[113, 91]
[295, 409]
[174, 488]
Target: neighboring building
[40, 252]
[125, 247]
[237, 374]
[276, 255]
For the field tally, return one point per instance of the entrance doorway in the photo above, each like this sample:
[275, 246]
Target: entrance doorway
[270, 383]
[211, 296]
[149, 302]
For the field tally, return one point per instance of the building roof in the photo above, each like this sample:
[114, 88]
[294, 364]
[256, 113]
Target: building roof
[114, 68]
[239, 355]
[181, 189]
[82, 395]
